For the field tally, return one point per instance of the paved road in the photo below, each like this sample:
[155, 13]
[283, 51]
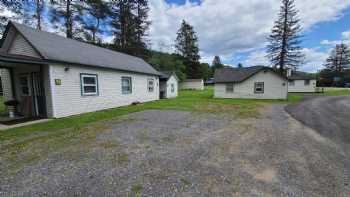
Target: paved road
[330, 116]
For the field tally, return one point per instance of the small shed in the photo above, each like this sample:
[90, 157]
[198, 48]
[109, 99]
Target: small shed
[192, 84]
[168, 85]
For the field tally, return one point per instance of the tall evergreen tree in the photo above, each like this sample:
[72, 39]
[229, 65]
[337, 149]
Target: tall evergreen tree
[97, 11]
[130, 24]
[187, 42]
[216, 61]
[239, 65]
[142, 22]
[33, 11]
[284, 47]
[216, 64]
[339, 59]
[187, 46]
[39, 8]
[67, 13]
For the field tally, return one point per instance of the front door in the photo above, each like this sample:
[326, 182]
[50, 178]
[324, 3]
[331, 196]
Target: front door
[32, 95]
[26, 103]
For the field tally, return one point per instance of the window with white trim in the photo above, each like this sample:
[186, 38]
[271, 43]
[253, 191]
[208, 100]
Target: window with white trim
[126, 85]
[89, 84]
[291, 83]
[172, 88]
[259, 87]
[229, 87]
[307, 82]
[150, 85]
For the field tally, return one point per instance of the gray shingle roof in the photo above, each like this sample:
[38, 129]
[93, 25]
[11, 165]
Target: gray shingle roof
[298, 75]
[236, 75]
[165, 75]
[57, 48]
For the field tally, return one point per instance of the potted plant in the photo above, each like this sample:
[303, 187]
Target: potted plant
[11, 106]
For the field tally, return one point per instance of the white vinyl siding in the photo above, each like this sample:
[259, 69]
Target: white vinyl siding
[172, 86]
[6, 84]
[275, 87]
[67, 98]
[299, 86]
[48, 90]
[192, 85]
[20, 46]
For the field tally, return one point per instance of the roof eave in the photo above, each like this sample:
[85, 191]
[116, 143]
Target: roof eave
[100, 66]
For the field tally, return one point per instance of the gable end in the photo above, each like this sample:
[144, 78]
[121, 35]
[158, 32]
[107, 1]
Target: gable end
[20, 46]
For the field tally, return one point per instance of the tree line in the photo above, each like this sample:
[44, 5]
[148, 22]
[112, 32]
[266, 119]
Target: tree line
[126, 20]
[88, 20]
[337, 67]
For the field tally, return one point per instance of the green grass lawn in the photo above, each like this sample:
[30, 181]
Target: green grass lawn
[337, 91]
[295, 97]
[197, 101]
[2, 106]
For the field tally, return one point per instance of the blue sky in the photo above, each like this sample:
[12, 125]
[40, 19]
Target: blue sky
[237, 29]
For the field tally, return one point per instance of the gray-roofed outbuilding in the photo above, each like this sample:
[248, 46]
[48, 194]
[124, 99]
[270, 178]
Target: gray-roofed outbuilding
[237, 75]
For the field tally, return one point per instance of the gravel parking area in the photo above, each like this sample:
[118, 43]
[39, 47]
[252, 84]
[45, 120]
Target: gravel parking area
[173, 153]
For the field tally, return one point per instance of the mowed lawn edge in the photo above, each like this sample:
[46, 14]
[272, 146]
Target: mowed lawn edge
[196, 101]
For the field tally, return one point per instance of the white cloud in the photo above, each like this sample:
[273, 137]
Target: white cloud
[257, 58]
[226, 27]
[330, 42]
[345, 39]
[314, 59]
[346, 35]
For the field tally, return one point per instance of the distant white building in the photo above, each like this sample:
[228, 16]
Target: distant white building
[168, 85]
[257, 82]
[301, 82]
[192, 84]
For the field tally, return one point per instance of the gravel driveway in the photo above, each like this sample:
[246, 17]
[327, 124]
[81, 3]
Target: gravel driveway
[172, 153]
